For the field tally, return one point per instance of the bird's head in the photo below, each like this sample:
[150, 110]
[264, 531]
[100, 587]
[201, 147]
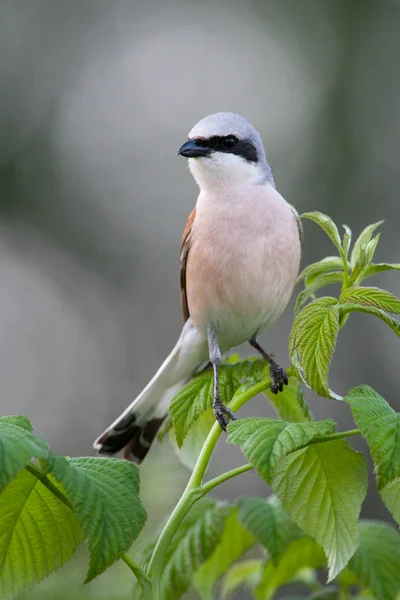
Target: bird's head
[225, 149]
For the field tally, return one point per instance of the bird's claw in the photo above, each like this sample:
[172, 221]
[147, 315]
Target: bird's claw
[278, 377]
[223, 414]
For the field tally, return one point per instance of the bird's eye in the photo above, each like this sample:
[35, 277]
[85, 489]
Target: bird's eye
[229, 142]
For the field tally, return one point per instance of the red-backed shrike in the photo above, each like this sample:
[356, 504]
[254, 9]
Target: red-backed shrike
[240, 257]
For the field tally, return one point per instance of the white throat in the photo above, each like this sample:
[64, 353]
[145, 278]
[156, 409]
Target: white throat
[225, 170]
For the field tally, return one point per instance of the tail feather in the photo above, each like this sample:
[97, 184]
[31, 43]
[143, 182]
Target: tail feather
[142, 439]
[136, 428]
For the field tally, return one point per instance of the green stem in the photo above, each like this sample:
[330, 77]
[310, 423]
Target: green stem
[156, 564]
[193, 491]
[334, 436]
[345, 271]
[130, 563]
[140, 575]
[207, 487]
[33, 470]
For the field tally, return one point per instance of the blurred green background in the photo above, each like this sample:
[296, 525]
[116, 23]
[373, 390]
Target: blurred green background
[96, 98]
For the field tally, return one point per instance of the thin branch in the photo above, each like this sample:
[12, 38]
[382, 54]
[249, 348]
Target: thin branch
[144, 581]
[33, 470]
[209, 485]
[334, 436]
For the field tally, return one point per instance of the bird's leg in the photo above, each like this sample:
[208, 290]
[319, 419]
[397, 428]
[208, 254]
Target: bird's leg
[222, 413]
[277, 374]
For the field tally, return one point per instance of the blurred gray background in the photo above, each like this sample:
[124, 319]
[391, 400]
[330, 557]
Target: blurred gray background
[96, 98]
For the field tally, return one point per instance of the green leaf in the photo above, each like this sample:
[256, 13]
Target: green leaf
[370, 249]
[375, 312]
[391, 496]
[18, 420]
[234, 542]
[38, 534]
[18, 445]
[371, 296]
[380, 426]
[362, 240]
[310, 273]
[327, 225]
[312, 342]
[364, 259]
[197, 396]
[347, 578]
[374, 269]
[269, 523]
[322, 487]
[346, 240]
[377, 559]
[104, 493]
[265, 442]
[303, 553]
[243, 574]
[317, 284]
[196, 542]
[290, 404]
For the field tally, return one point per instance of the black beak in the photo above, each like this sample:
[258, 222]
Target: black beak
[191, 149]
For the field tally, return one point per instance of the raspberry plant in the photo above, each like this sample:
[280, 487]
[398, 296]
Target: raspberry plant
[307, 525]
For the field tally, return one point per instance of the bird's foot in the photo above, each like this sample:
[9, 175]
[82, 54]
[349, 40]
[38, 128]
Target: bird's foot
[278, 377]
[223, 414]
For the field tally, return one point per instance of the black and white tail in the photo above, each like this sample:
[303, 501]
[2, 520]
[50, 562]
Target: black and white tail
[136, 428]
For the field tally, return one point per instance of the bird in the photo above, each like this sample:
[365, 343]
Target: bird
[239, 261]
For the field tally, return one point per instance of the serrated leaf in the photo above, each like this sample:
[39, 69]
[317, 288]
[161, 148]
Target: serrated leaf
[244, 574]
[18, 445]
[380, 426]
[330, 263]
[346, 240]
[104, 493]
[377, 559]
[318, 283]
[322, 487]
[235, 541]
[348, 307]
[269, 523]
[197, 396]
[374, 269]
[371, 296]
[327, 225]
[19, 421]
[194, 547]
[302, 553]
[390, 494]
[370, 248]
[38, 534]
[362, 240]
[312, 342]
[290, 404]
[265, 442]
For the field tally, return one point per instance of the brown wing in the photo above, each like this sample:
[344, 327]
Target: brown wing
[185, 247]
